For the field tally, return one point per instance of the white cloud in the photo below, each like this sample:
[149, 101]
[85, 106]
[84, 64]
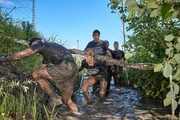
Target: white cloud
[6, 2]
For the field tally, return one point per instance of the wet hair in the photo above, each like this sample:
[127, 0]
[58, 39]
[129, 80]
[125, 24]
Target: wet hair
[33, 40]
[90, 52]
[96, 31]
[116, 43]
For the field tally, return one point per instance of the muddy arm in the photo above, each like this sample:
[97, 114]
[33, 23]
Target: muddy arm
[18, 55]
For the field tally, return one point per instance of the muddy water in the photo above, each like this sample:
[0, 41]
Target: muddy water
[122, 104]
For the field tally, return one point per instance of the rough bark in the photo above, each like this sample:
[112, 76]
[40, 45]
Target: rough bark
[117, 62]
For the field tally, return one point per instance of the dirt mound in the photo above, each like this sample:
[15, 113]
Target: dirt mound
[9, 72]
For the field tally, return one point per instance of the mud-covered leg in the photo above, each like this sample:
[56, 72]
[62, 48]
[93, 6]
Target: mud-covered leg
[95, 87]
[109, 81]
[102, 92]
[88, 83]
[40, 76]
[66, 97]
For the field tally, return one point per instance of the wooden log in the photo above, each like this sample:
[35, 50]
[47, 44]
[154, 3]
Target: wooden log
[104, 58]
[116, 62]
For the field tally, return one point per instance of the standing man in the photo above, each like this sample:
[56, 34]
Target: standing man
[117, 70]
[62, 70]
[99, 47]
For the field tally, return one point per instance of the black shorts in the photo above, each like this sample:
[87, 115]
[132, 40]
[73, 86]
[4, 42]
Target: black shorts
[64, 74]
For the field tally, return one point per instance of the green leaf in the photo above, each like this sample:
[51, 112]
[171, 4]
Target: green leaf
[167, 102]
[130, 2]
[176, 89]
[177, 75]
[172, 61]
[169, 1]
[131, 15]
[169, 44]
[158, 68]
[140, 13]
[178, 39]
[133, 8]
[169, 38]
[177, 57]
[171, 55]
[177, 46]
[174, 105]
[167, 70]
[128, 55]
[154, 13]
[152, 5]
[132, 5]
[175, 14]
[179, 101]
[170, 95]
[152, 1]
[135, 86]
[168, 51]
[165, 11]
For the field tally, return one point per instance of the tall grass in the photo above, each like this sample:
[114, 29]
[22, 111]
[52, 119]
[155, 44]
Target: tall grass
[19, 103]
[20, 98]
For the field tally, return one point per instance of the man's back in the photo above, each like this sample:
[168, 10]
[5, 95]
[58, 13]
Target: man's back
[53, 53]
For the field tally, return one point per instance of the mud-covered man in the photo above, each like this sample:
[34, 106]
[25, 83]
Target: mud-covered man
[57, 65]
[99, 47]
[97, 72]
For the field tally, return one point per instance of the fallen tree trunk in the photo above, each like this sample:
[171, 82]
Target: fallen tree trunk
[117, 62]
[104, 58]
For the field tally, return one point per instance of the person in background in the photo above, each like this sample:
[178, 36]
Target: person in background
[96, 70]
[117, 70]
[100, 48]
[57, 65]
[109, 71]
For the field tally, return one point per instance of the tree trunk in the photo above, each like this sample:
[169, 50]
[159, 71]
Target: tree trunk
[104, 58]
[117, 62]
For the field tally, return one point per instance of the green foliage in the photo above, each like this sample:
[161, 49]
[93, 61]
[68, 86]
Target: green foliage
[164, 10]
[155, 39]
[149, 84]
[17, 29]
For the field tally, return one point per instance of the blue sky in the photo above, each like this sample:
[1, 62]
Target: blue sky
[70, 20]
